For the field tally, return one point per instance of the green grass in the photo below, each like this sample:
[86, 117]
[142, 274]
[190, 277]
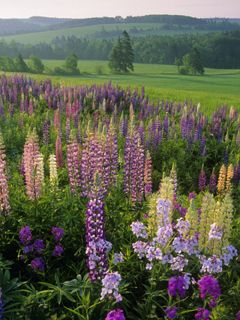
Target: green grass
[215, 88]
[93, 31]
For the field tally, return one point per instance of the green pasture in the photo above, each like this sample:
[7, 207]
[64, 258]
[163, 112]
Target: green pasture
[215, 88]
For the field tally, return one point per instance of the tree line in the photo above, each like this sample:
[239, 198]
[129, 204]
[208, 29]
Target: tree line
[217, 50]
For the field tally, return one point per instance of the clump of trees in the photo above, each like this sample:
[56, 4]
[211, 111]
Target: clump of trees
[191, 63]
[18, 64]
[122, 55]
[70, 66]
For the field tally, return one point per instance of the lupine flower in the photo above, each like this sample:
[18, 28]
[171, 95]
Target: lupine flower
[37, 264]
[215, 232]
[202, 314]
[228, 254]
[139, 229]
[178, 285]
[73, 165]
[4, 193]
[171, 312]
[33, 167]
[238, 315]
[1, 305]
[116, 314]
[25, 235]
[57, 233]
[230, 173]
[222, 179]
[209, 287]
[39, 245]
[118, 258]
[110, 286]
[96, 247]
[53, 171]
[211, 265]
[58, 250]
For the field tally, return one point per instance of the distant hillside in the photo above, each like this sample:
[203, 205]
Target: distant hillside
[44, 29]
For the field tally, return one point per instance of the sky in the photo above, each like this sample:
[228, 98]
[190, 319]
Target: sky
[112, 8]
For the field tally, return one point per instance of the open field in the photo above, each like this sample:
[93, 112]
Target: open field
[215, 88]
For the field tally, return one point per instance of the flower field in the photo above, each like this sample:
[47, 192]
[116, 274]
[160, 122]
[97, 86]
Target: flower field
[114, 208]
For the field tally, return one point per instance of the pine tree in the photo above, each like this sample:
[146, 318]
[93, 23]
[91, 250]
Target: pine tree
[122, 56]
[20, 64]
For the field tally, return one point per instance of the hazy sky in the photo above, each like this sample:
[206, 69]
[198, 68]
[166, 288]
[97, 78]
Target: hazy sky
[98, 8]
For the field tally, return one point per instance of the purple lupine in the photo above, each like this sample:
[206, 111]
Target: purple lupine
[116, 314]
[178, 285]
[68, 129]
[25, 235]
[57, 233]
[238, 315]
[58, 250]
[96, 245]
[202, 314]
[236, 174]
[39, 245]
[213, 183]
[37, 264]
[134, 167]
[73, 165]
[45, 131]
[209, 287]
[202, 180]
[171, 312]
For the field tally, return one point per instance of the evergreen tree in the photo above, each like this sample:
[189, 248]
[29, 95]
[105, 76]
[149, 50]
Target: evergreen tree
[20, 64]
[122, 56]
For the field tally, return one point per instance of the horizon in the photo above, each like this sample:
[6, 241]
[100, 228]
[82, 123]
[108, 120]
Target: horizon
[78, 9]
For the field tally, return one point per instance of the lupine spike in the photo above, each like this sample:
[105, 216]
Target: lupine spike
[53, 172]
[4, 193]
[230, 173]
[202, 180]
[222, 179]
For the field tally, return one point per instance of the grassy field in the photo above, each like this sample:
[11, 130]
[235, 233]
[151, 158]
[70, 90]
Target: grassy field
[94, 32]
[215, 88]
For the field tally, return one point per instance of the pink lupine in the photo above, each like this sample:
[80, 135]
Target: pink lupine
[73, 164]
[4, 194]
[33, 167]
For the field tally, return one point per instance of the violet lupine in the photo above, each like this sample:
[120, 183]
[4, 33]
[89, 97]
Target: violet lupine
[59, 154]
[116, 314]
[4, 193]
[110, 286]
[202, 180]
[110, 158]
[178, 285]
[38, 264]
[171, 312]
[96, 245]
[148, 175]
[134, 167]
[25, 235]
[68, 129]
[33, 167]
[202, 314]
[45, 131]
[209, 288]
[73, 165]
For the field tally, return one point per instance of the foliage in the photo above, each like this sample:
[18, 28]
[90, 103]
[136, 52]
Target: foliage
[35, 65]
[122, 56]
